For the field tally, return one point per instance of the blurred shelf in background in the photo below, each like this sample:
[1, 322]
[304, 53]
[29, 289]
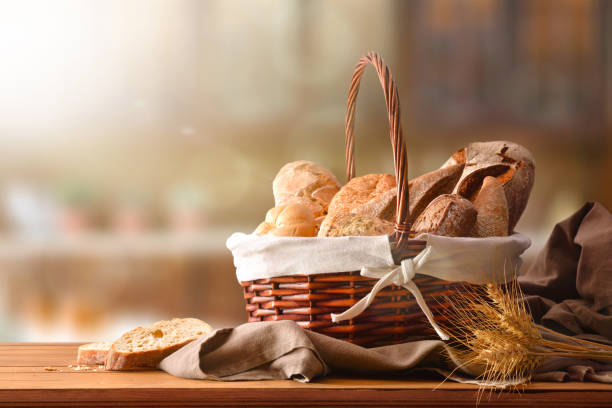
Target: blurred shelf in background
[97, 286]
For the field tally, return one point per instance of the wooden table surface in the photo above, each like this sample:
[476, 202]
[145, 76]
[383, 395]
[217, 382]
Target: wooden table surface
[34, 374]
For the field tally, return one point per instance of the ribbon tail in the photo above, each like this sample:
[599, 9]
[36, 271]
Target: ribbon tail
[364, 302]
[413, 288]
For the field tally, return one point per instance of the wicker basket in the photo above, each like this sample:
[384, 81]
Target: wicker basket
[309, 300]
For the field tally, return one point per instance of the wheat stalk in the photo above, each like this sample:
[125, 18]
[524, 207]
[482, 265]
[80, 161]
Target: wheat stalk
[494, 334]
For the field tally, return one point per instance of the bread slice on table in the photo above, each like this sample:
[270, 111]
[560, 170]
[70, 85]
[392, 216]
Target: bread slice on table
[146, 347]
[93, 353]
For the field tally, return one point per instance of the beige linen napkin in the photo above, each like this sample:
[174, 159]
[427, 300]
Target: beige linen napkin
[283, 350]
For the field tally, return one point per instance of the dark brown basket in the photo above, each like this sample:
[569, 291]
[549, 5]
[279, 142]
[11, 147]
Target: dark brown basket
[394, 317]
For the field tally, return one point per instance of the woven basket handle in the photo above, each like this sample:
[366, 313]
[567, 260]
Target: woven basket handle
[402, 224]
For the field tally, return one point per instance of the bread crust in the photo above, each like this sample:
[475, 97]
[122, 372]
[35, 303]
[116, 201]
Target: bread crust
[425, 188]
[383, 206]
[120, 359]
[360, 194]
[492, 208]
[354, 225]
[510, 163]
[449, 215]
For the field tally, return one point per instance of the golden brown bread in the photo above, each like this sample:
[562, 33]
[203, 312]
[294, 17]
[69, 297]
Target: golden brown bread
[146, 347]
[492, 207]
[361, 196]
[449, 215]
[508, 162]
[289, 220]
[341, 225]
[93, 353]
[364, 206]
[425, 188]
[383, 206]
[305, 180]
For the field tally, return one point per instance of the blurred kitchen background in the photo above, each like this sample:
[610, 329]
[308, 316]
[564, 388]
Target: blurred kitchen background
[136, 136]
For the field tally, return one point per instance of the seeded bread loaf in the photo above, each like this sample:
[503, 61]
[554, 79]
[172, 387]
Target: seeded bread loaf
[145, 347]
[449, 215]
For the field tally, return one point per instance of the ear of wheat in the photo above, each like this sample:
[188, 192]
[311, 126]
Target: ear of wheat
[492, 333]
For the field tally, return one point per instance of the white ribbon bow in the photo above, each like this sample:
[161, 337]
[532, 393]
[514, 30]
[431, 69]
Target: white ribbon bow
[400, 275]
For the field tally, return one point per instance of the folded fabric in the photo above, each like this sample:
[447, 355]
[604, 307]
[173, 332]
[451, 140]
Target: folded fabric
[569, 287]
[570, 284]
[283, 350]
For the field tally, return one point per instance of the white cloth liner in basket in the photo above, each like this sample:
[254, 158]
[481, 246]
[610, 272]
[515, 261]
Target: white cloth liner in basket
[474, 260]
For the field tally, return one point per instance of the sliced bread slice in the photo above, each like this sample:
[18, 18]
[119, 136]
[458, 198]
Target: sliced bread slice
[93, 353]
[145, 347]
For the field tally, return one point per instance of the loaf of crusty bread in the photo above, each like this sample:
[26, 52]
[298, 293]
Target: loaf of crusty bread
[145, 347]
[353, 224]
[425, 188]
[93, 353]
[492, 208]
[508, 162]
[289, 220]
[383, 206]
[361, 195]
[449, 215]
[360, 207]
[304, 180]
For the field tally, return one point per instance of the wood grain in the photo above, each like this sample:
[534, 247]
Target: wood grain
[24, 381]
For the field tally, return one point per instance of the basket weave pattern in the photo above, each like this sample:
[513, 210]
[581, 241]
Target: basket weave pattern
[309, 299]
[394, 317]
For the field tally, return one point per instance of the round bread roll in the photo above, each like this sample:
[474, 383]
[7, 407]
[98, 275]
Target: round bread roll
[449, 215]
[511, 164]
[289, 220]
[304, 180]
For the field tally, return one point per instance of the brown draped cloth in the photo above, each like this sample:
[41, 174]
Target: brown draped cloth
[569, 289]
